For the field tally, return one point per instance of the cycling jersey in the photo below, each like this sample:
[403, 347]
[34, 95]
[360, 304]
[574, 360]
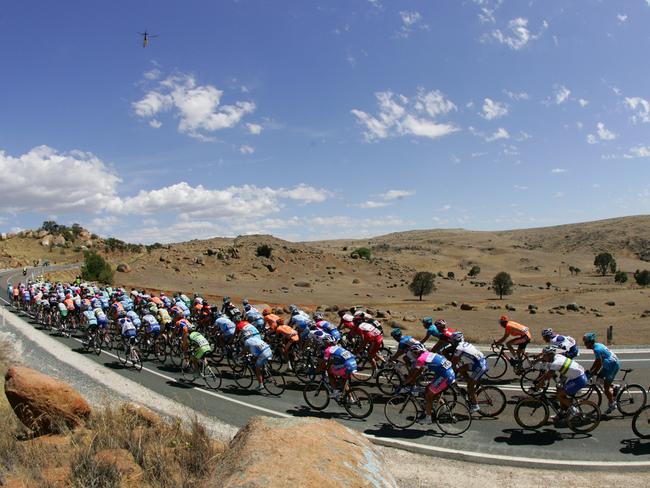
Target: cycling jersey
[247, 330]
[435, 363]
[515, 329]
[260, 349]
[183, 325]
[567, 368]
[128, 329]
[468, 353]
[601, 351]
[318, 337]
[329, 328]
[566, 343]
[90, 317]
[135, 318]
[301, 322]
[368, 331]
[344, 363]
[271, 321]
[446, 333]
[226, 326]
[200, 345]
[164, 316]
[412, 347]
[151, 325]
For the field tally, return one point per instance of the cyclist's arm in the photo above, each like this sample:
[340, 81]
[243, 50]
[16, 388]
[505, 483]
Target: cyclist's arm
[543, 379]
[595, 368]
[426, 338]
[500, 341]
[438, 345]
[413, 375]
[397, 355]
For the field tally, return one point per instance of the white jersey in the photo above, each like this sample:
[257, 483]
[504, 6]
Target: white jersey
[563, 342]
[567, 368]
[468, 353]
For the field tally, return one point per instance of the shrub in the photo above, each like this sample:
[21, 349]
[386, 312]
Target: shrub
[423, 284]
[451, 275]
[474, 271]
[502, 284]
[96, 268]
[642, 278]
[620, 277]
[363, 253]
[548, 285]
[264, 251]
[605, 262]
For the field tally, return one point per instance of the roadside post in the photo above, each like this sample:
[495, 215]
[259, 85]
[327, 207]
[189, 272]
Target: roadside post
[610, 335]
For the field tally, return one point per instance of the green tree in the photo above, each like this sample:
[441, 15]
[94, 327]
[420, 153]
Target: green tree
[474, 271]
[605, 262]
[620, 277]
[423, 284]
[642, 278]
[96, 268]
[502, 284]
[363, 253]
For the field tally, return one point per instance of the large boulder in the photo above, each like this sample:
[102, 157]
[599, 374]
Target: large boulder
[47, 240]
[123, 462]
[123, 268]
[59, 241]
[330, 455]
[42, 403]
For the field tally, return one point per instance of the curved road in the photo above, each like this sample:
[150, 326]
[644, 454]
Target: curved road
[487, 439]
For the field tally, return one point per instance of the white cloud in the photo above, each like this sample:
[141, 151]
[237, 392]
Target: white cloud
[373, 204]
[583, 103]
[639, 105]
[501, 133]
[516, 96]
[488, 10]
[493, 110]
[638, 152]
[562, 94]
[520, 187]
[397, 194]
[558, 194]
[399, 116]
[156, 124]
[307, 194]
[622, 18]
[410, 21]
[603, 133]
[198, 107]
[254, 129]
[591, 139]
[558, 170]
[246, 149]
[517, 35]
[44, 180]
[152, 74]
[104, 224]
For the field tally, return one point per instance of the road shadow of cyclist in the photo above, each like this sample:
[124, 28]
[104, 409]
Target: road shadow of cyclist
[303, 411]
[387, 430]
[544, 437]
[635, 447]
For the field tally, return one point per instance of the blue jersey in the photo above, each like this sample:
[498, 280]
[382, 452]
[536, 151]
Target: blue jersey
[339, 356]
[135, 318]
[226, 326]
[601, 351]
[433, 331]
[435, 363]
[300, 322]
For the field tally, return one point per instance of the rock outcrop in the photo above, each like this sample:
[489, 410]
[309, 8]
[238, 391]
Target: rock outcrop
[44, 404]
[263, 454]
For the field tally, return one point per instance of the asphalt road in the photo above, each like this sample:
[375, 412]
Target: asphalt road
[613, 440]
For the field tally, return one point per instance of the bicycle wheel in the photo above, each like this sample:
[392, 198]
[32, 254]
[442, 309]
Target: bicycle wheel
[120, 350]
[631, 399]
[305, 370]
[211, 376]
[358, 403]
[388, 380]
[316, 395]
[491, 401]
[585, 419]
[159, 349]
[135, 359]
[641, 423]
[244, 378]
[497, 366]
[176, 354]
[187, 369]
[531, 413]
[592, 393]
[365, 371]
[528, 380]
[453, 418]
[401, 411]
[274, 382]
[97, 344]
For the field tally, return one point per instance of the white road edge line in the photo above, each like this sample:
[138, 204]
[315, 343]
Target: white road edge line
[412, 446]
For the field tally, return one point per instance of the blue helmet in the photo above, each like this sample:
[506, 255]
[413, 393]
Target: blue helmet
[589, 337]
[427, 321]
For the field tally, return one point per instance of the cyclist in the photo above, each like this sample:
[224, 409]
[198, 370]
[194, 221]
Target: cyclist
[371, 338]
[444, 377]
[199, 347]
[520, 337]
[286, 334]
[572, 376]
[127, 330]
[469, 362]
[260, 351]
[151, 326]
[407, 346]
[566, 343]
[339, 363]
[326, 326]
[438, 329]
[227, 328]
[254, 316]
[606, 366]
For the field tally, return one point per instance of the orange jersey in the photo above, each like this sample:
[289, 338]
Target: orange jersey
[271, 321]
[515, 329]
[288, 332]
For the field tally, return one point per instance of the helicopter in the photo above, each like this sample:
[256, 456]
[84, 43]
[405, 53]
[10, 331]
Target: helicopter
[145, 37]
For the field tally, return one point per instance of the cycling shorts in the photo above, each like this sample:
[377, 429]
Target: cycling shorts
[441, 383]
[129, 334]
[609, 371]
[201, 351]
[344, 370]
[571, 387]
[264, 357]
[479, 368]
[288, 333]
[521, 342]
[103, 323]
[153, 329]
[572, 352]
[375, 345]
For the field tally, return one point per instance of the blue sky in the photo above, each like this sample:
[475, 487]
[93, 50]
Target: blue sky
[318, 119]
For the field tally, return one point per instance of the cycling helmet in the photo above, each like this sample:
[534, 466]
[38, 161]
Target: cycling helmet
[441, 324]
[190, 327]
[226, 300]
[396, 333]
[121, 313]
[503, 319]
[245, 302]
[266, 311]
[280, 321]
[457, 338]
[328, 340]
[547, 333]
[247, 307]
[589, 337]
[293, 309]
[427, 321]
[549, 350]
[319, 316]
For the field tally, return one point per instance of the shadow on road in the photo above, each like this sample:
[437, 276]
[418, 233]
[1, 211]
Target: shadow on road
[636, 447]
[387, 430]
[545, 437]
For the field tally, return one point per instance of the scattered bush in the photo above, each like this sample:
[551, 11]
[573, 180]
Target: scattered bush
[451, 275]
[605, 262]
[264, 251]
[502, 284]
[96, 268]
[620, 277]
[363, 253]
[474, 271]
[548, 285]
[642, 278]
[423, 284]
